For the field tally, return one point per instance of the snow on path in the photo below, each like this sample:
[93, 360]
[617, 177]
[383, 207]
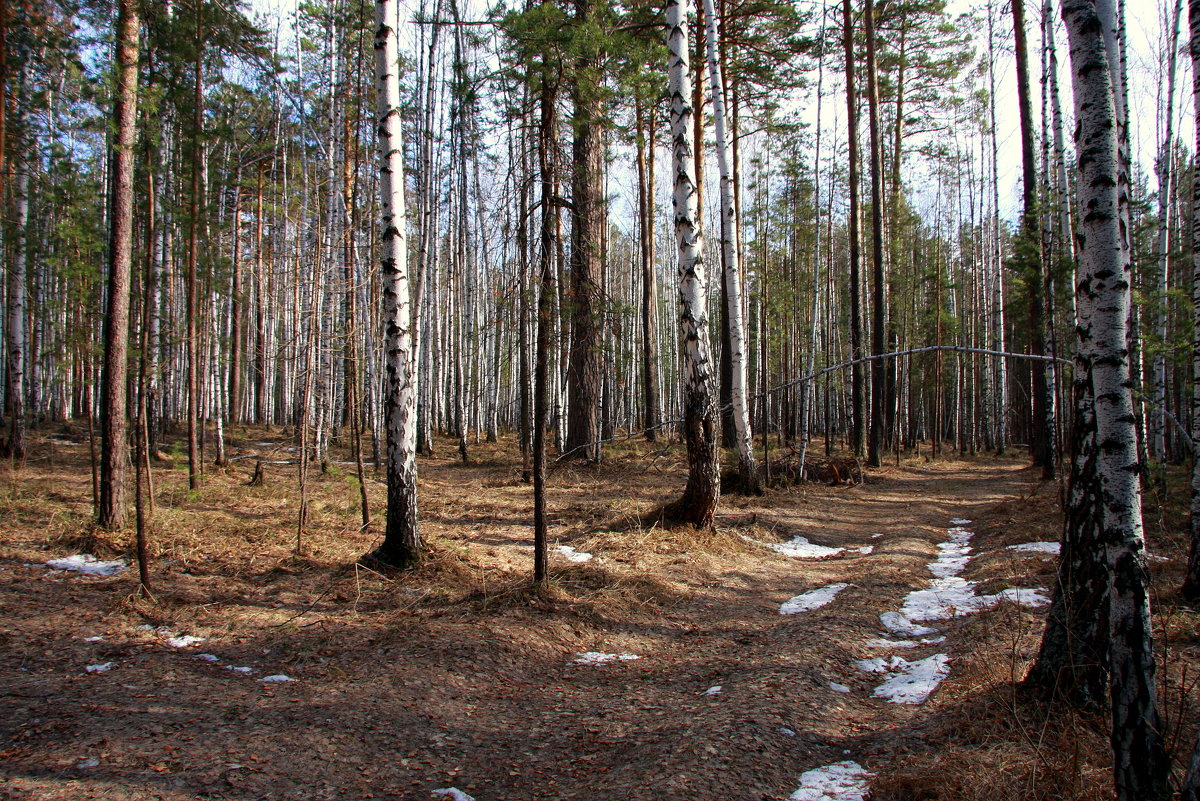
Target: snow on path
[598, 658]
[801, 548]
[813, 599]
[949, 595]
[841, 781]
[913, 682]
[1052, 548]
[454, 794]
[87, 564]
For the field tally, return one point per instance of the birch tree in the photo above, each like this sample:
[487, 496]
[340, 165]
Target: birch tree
[699, 502]
[1191, 584]
[747, 468]
[402, 541]
[1102, 365]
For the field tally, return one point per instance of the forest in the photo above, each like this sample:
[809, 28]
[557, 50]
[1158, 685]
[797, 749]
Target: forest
[780, 399]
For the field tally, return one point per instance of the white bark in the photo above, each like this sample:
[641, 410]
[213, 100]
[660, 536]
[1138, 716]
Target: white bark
[699, 501]
[1162, 168]
[402, 543]
[733, 269]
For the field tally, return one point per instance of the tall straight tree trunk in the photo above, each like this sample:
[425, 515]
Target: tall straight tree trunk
[699, 502]
[545, 307]
[857, 396]
[1157, 429]
[747, 468]
[878, 368]
[584, 382]
[402, 540]
[15, 330]
[1102, 363]
[1032, 263]
[191, 287]
[1191, 583]
[645, 156]
[114, 456]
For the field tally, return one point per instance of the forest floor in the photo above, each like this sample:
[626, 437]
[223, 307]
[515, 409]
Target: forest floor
[457, 675]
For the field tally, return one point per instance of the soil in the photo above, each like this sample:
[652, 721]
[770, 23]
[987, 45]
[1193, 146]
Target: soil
[458, 674]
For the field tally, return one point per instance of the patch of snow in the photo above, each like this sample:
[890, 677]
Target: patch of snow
[88, 564]
[1037, 547]
[813, 599]
[454, 794]
[800, 548]
[93, 639]
[954, 596]
[898, 623]
[864, 549]
[573, 555]
[598, 658]
[208, 657]
[882, 642]
[248, 670]
[713, 690]
[838, 688]
[90, 762]
[841, 781]
[786, 731]
[878, 664]
[278, 677]
[915, 681]
[145, 627]
[958, 521]
[103, 668]
[181, 640]
[877, 535]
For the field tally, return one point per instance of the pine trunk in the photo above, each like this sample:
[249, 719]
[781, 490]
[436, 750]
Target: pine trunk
[1191, 584]
[114, 457]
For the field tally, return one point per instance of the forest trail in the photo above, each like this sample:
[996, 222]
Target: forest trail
[455, 677]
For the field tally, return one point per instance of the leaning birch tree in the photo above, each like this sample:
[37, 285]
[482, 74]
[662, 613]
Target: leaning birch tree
[747, 469]
[402, 540]
[1102, 363]
[699, 502]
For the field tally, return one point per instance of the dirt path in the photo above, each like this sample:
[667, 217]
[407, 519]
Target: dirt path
[454, 678]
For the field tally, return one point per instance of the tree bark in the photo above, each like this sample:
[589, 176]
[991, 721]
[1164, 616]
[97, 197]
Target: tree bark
[857, 396]
[114, 456]
[740, 413]
[878, 368]
[699, 502]
[402, 540]
[1139, 763]
[1191, 584]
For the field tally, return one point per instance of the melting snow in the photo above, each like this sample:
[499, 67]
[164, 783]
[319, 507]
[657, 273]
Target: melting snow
[954, 596]
[841, 781]
[878, 664]
[958, 521]
[864, 550]
[454, 794]
[93, 639]
[89, 762]
[813, 599]
[800, 548]
[713, 690]
[86, 563]
[838, 688]
[208, 657]
[104, 668]
[278, 677]
[598, 658]
[573, 555]
[881, 642]
[181, 640]
[1037, 547]
[897, 623]
[914, 681]
[249, 670]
